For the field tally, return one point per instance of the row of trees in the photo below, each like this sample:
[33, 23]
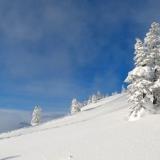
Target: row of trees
[95, 97]
[144, 79]
[76, 105]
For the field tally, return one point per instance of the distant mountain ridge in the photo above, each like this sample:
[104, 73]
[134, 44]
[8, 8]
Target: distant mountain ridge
[16, 119]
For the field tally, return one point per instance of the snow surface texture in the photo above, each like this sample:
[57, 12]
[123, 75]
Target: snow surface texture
[15, 119]
[97, 133]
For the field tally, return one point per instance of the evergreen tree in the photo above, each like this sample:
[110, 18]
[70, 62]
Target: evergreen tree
[144, 79]
[140, 55]
[75, 106]
[99, 95]
[139, 80]
[94, 98]
[36, 116]
[89, 100]
[152, 46]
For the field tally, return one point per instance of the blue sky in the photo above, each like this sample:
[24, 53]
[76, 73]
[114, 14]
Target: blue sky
[54, 50]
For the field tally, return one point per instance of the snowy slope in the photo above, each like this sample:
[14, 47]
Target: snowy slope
[97, 133]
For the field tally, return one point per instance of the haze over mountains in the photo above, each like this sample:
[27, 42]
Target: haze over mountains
[14, 119]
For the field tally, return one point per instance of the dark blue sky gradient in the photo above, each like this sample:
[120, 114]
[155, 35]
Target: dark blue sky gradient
[52, 51]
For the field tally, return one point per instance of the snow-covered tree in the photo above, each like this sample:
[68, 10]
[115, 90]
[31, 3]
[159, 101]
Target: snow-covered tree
[89, 100]
[36, 116]
[140, 80]
[94, 98]
[99, 95]
[152, 44]
[144, 79]
[140, 54]
[84, 103]
[75, 106]
[152, 47]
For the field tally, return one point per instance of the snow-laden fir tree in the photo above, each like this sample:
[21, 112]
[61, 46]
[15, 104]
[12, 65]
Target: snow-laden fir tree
[75, 106]
[140, 58]
[89, 100]
[36, 116]
[94, 98]
[152, 48]
[84, 103]
[139, 80]
[99, 95]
